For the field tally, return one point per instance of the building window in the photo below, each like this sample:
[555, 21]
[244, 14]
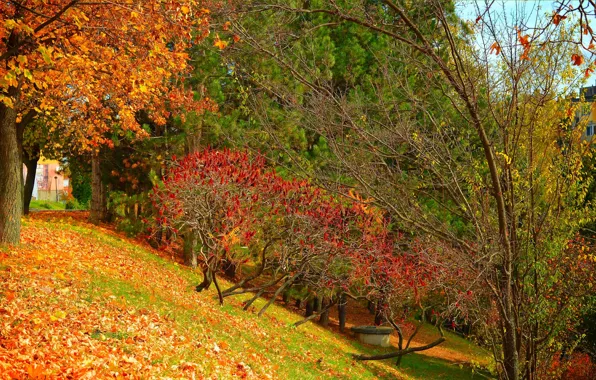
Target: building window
[590, 130]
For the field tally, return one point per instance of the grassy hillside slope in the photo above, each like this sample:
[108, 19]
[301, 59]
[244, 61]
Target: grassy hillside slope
[80, 301]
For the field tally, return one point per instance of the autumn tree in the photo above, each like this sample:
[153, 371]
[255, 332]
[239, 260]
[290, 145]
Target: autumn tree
[91, 66]
[465, 136]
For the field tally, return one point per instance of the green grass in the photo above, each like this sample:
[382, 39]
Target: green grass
[307, 352]
[46, 205]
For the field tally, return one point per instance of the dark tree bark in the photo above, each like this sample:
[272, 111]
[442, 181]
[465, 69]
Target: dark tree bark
[11, 177]
[314, 315]
[400, 353]
[99, 209]
[324, 310]
[229, 268]
[207, 280]
[309, 307]
[30, 159]
[317, 304]
[341, 313]
[379, 314]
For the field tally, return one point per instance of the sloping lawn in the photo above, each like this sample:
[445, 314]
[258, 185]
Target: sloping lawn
[80, 301]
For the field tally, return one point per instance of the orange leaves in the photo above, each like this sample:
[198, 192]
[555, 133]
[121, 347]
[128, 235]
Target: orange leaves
[91, 65]
[524, 40]
[557, 18]
[35, 371]
[496, 48]
[9, 295]
[588, 72]
[577, 59]
[219, 43]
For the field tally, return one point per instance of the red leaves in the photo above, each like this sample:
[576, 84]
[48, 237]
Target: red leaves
[496, 48]
[234, 202]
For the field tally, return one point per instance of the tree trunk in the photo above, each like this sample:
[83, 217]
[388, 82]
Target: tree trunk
[11, 177]
[341, 313]
[230, 268]
[190, 249]
[207, 280]
[30, 160]
[99, 211]
[324, 319]
[379, 313]
[193, 139]
[309, 307]
[317, 304]
[510, 353]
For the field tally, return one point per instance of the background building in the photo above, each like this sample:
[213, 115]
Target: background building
[50, 183]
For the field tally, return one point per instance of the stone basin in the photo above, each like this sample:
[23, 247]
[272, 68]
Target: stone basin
[373, 335]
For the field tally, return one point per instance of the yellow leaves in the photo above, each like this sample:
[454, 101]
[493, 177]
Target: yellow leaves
[28, 74]
[7, 101]
[577, 59]
[496, 48]
[10, 24]
[219, 43]
[60, 314]
[505, 157]
[185, 9]
[233, 237]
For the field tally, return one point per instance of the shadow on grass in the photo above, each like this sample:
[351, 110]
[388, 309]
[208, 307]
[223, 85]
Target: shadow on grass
[421, 367]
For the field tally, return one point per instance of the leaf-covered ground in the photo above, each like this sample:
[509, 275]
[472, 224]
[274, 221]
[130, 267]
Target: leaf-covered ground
[82, 302]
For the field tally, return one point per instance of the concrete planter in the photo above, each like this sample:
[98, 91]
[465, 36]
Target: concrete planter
[373, 335]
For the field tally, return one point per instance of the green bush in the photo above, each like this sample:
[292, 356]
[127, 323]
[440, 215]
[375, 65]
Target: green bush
[74, 204]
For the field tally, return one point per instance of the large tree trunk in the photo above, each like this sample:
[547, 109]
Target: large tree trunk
[99, 210]
[30, 160]
[190, 246]
[510, 339]
[11, 177]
